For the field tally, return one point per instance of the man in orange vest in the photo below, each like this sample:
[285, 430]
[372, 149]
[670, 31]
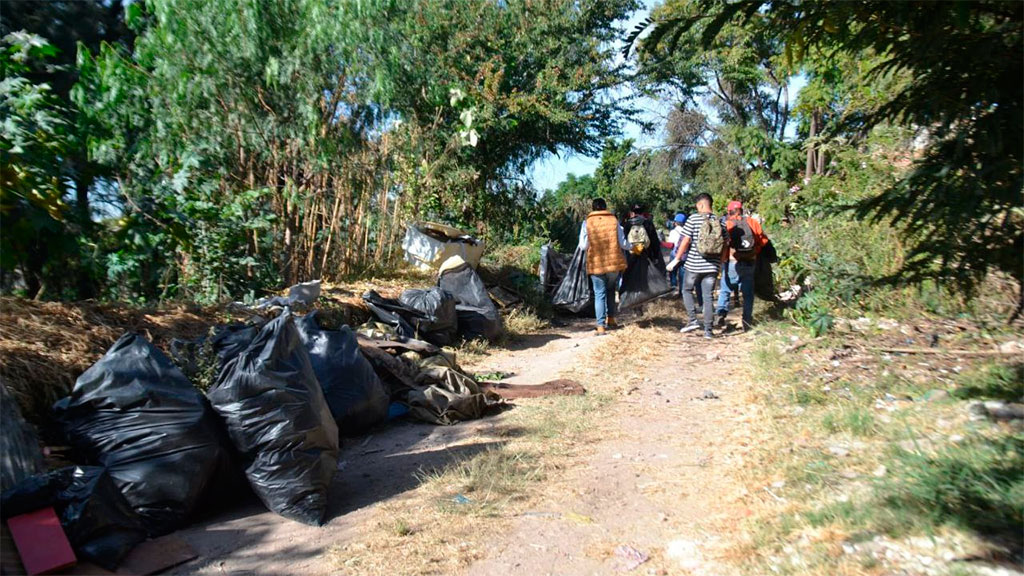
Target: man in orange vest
[602, 237]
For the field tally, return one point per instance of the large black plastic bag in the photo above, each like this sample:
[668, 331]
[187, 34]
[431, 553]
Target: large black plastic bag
[394, 313]
[643, 281]
[278, 419]
[355, 395]
[20, 455]
[575, 293]
[478, 316]
[98, 521]
[136, 414]
[441, 322]
[552, 268]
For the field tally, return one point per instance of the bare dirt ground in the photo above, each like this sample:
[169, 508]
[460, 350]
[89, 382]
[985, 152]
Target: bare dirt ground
[651, 478]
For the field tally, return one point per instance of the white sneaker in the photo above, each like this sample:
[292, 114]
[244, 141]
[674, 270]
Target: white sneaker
[690, 327]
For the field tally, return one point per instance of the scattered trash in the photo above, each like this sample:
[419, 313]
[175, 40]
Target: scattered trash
[632, 558]
[579, 518]
[560, 387]
[302, 295]
[427, 245]
[460, 499]
[279, 421]
[111, 417]
[708, 395]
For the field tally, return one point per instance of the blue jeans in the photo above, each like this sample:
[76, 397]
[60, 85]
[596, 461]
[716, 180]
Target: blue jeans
[737, 275]
[675, 279]
[604, 306]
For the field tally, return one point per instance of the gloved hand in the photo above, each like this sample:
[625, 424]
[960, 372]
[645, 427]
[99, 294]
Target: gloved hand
[672, 265]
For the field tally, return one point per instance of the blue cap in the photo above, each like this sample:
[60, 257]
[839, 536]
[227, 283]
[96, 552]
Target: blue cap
[680, 218]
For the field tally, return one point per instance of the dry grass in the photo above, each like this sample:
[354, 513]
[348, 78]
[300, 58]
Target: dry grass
[451, 519]
[829, 441]
[44, 346]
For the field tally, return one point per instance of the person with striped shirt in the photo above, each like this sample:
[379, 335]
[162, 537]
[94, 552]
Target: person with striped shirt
[699, 271]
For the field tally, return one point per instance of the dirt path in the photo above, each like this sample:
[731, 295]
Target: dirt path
[656, 479]
[658, 484]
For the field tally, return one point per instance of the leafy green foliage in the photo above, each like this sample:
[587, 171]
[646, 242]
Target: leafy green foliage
[958, 208]
[34, 139]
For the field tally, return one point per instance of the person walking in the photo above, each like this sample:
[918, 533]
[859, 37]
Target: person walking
[675, 277]
[703, 246]
[602, 237]
[746, 238]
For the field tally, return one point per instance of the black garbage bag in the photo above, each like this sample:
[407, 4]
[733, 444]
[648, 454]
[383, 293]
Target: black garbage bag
[136, 414]
[552, 268]
[575, 293]
[355, 395]
[441, 323]
[20, 454]
[764, 280]
[644, 280]
[394, 313]
[97, 520]
[478, 316]
[278, 419]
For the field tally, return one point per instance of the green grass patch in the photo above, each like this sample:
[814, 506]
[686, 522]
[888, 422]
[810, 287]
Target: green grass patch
[858, 421]
[994, 380]
[976, 484]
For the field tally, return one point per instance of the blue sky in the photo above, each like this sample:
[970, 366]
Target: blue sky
[547, 172]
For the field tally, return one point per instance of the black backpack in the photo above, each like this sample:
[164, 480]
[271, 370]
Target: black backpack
[742, 240]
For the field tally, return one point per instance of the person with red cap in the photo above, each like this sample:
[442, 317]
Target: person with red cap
[746, 238]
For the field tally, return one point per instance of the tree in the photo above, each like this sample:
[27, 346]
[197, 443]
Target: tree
[959, 206]
[65, 24]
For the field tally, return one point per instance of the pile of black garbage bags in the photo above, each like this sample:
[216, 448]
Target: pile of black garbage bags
[458, 307]
[159, 451]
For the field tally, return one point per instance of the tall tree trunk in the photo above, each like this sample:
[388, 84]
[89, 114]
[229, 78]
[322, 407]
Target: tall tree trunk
[86, 287]
[809, 170]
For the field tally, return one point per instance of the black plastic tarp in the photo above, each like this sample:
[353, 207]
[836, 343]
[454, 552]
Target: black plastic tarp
[575, 293]
[355, 395]
[552, 268]
[97, 520]
[478, 316]
[441, 323]
[645, 279]
[136, 414]
[278, 419]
